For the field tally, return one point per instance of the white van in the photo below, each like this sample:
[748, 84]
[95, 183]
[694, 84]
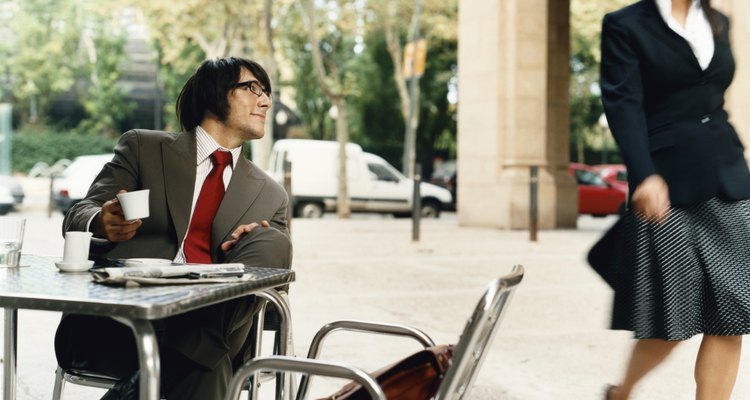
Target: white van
[373, 184]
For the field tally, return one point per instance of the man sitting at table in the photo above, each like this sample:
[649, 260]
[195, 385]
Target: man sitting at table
[208, 204]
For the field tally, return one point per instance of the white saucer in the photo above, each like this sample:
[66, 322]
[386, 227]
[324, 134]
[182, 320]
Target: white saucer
[74, 266]
[139, 262]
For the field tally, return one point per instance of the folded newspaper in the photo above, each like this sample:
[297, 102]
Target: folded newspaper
[171, 274]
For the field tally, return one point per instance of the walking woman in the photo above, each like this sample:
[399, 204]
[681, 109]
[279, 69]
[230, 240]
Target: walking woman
[665, 67]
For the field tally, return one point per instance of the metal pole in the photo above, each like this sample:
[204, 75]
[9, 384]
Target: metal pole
[51, 204]
[6, 133]
[416, 211]
[9, 358]
[533, 206]
[288, 188]
[410, 139]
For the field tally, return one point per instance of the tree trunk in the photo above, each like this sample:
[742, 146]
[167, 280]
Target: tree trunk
[344, 207]
[335, 94]
[261, 148]
[394, 49]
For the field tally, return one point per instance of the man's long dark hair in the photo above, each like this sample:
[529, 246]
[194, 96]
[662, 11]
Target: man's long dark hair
[713, 17]
[207, 90]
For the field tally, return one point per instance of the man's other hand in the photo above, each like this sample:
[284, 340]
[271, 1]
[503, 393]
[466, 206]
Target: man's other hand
[111, 223]
[241, 231]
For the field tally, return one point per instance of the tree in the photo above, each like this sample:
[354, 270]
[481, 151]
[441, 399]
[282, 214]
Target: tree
[185, 33]
[332, 73]
[104, 100]
[585, 58]
[438, 19]
[45, 35]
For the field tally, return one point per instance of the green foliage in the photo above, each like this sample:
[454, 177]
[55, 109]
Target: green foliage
[173, 74]
[61, 50]
[31, 146]
[312, 105]
[41, 61]
[104, 100]
[437, 119]
[381, 126]
[586, 136]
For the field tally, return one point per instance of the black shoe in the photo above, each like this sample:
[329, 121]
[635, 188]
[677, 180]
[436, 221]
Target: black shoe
[125, 389]
[609, 392]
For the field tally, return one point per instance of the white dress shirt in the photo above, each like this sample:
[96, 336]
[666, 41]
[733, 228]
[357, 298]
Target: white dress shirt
[697, 30]
[205, 146]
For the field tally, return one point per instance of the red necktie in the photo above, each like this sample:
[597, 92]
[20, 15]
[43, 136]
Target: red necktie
[198, 241]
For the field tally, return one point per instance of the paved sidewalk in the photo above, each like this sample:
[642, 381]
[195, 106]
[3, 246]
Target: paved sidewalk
[553, 343]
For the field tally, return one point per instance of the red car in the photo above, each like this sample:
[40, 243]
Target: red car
[596, 196]
[615, 174]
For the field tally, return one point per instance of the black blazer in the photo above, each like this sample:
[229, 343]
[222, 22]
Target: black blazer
[665, 113]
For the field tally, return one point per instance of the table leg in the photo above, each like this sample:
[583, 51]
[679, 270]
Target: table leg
[9, 359]
[259, 322]
[285, 326]
[148, 357]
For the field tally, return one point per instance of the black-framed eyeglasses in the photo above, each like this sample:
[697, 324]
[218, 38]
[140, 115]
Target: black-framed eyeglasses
[255, 87]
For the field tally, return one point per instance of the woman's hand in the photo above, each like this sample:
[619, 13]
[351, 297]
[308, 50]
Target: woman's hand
[651, 199]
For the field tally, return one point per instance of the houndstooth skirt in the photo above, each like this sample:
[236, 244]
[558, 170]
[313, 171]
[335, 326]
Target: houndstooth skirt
[687, 276]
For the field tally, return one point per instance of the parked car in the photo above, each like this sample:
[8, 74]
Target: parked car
[444, 175]
[596, 196]
[6, 200]
[12, 184]
[373, 184]
[72, 185]
[615, 174]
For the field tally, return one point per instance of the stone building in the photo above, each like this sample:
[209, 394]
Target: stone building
[513, 110]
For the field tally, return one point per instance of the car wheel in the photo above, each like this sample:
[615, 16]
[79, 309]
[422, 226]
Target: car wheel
[5, 209]
[310, 210]
[430, 209]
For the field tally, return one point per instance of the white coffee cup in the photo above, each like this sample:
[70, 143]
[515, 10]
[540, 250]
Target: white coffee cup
[76, 247]
[134, 204]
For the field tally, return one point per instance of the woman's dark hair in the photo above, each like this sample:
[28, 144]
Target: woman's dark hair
[207, 89]
[713, 17]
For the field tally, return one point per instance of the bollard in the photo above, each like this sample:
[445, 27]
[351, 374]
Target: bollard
[288, 188]
[533, 206]
[416, 211]
[51, 203]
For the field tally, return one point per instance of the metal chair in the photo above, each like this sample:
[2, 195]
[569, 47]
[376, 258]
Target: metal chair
[468, 353]
[280, 330]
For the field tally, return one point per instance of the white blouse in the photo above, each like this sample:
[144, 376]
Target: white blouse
[697, 30]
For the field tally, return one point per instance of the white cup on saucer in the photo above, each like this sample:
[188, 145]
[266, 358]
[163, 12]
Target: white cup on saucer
[76, 252]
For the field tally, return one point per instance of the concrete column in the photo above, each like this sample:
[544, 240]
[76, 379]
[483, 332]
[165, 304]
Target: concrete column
[513, 89]
[738, 97]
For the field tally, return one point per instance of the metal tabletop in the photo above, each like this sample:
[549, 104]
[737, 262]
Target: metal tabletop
[38, 285]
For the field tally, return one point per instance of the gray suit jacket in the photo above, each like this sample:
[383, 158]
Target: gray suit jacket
[165, 163]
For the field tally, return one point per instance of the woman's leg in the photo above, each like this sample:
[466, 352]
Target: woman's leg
[646, 355]
[716, 366]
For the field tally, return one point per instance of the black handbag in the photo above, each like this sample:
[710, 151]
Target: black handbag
[607, 256]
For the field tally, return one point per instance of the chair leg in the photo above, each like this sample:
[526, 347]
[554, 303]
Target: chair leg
[59, 384]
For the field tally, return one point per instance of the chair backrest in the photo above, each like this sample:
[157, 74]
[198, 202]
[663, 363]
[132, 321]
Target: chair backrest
[477, 336]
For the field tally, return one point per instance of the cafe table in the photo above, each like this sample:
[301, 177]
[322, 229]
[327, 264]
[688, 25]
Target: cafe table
[38, 285]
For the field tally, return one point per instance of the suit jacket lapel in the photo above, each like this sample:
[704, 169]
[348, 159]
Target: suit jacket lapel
[179, 179]
[242, 191]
